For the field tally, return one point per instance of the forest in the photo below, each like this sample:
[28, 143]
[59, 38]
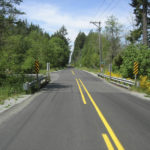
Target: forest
[22, 43]
[119, 51]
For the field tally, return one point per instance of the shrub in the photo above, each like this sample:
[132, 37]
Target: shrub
[132, 53]
[145, 83]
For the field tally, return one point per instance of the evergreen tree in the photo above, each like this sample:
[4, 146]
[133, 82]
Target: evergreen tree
[86, 50]
[142, 13]
[8, 11]
[78, 46]
[62, 35]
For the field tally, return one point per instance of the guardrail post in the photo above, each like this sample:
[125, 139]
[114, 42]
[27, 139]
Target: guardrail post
[26, 86]
[137, 84]
[38, 84]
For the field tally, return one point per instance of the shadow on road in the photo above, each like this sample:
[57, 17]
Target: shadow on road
[55, 87]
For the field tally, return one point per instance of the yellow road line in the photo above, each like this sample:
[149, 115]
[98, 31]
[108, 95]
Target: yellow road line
[73, 72]
[83, 98]
[106, 124]
[107, 141]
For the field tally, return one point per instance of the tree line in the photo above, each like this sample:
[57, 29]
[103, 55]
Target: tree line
[114, 51]
[21, 43]
[86, 47]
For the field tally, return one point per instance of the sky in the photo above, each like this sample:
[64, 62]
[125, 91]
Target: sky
[75, 15]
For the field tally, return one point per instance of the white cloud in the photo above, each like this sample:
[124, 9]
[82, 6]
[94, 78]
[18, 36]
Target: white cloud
[51, 18]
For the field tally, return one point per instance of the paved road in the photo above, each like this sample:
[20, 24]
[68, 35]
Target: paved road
[79, 112]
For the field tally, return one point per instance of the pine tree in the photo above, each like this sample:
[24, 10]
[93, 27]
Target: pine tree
[8, 11]
[78, 46]
[142, 14]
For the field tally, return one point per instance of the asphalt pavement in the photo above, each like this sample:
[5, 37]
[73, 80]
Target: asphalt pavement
[78, 111]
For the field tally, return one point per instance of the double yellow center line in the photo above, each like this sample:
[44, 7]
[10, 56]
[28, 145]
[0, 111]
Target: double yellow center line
[101, 116]
[107, 141]
[73, 72]
[82, 95]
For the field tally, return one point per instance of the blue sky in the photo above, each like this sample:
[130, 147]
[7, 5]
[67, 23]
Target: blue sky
[75, 14]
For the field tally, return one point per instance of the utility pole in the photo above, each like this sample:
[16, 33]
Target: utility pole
[98, 25]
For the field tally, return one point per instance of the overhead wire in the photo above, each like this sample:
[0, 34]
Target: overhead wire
[100, 6]
[106, 8]
[112, 9]
[103, 8]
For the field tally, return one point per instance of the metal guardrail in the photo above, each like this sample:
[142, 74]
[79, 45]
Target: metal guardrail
[121, 81]
[41, 81]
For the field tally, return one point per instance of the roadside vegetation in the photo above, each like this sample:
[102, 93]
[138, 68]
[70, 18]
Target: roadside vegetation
[21, 43]
[11, 86]
[119, 48]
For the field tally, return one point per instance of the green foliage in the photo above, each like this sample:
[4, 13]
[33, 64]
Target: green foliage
[132, 53]
[78, 46]
[113, 30]
[86, 51]
[60, 55]
[134, 35]
[22, 43]
[8, 12]
[20, 51]
[91, 51]
[117, 62]
[28, 65]
[139, 8]
[12, 54]
[12, 85]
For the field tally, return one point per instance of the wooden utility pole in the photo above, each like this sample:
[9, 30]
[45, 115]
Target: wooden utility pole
[98, 25]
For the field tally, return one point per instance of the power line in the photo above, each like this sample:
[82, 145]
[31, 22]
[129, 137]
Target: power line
[98, 12]
[111, 6]
[100, 6]
[107, 6]
[111, 11]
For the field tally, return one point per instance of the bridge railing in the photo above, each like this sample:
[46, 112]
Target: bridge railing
[42, 80]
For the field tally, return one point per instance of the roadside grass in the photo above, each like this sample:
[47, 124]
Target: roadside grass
[12, 86]
[141, 90]
[7, 92]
